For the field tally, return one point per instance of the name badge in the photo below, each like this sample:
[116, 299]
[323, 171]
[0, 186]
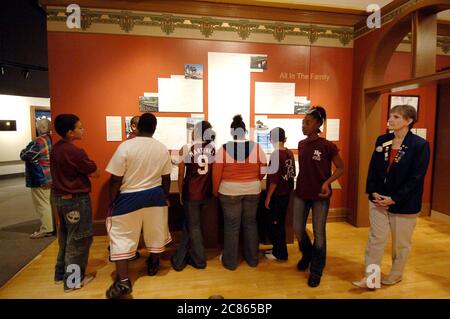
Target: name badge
[387, 143]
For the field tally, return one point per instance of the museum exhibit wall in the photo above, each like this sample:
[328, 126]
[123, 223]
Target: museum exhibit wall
[98, 75]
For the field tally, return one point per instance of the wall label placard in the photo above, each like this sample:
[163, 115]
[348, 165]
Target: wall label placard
[304, 76]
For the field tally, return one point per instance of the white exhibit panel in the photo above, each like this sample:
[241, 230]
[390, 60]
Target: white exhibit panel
[171, 131]
[113, 128]
[333, 129]
[228, 91]
[180, 95]
[274, 98]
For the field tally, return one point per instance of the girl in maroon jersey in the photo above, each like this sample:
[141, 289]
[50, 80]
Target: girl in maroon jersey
[195, 185]
[313, 191]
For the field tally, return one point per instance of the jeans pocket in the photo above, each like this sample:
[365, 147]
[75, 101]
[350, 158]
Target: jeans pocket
[78, 218]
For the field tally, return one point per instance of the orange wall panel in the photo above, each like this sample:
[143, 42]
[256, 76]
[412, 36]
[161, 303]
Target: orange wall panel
[94, 75]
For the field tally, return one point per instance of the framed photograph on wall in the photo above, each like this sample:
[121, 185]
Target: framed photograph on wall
[412, 100]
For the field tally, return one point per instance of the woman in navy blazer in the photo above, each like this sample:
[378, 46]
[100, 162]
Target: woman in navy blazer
[395, 188]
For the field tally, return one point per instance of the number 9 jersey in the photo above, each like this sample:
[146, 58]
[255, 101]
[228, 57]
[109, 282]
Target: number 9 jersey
[197, 184]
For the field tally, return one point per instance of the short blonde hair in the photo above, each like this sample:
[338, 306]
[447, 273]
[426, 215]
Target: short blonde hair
[43, 126]
[407, 111]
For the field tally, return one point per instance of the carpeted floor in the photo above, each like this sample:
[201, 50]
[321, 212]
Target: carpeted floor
[17, 221]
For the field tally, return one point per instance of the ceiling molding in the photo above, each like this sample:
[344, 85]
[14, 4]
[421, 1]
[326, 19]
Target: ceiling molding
[235, 9]
[241, 29]
[390, 12]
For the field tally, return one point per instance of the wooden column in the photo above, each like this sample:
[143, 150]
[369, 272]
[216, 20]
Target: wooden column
[424, 35]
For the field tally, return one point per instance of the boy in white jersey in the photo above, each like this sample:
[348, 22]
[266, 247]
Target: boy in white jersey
[139, 189]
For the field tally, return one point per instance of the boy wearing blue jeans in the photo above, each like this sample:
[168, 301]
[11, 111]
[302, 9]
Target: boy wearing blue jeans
[71, 169]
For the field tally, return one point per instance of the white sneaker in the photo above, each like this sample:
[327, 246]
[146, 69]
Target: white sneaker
[87, 279]
[271, 257]
[390, 280]
[269, 251]
[220, 258]
[362, 283]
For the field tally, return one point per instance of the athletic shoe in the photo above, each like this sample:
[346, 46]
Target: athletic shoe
[152, 268]
[119, 289]
[314, 280]
[390, 280]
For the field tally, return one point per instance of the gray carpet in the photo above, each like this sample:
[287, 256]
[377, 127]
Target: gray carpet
[17, 221]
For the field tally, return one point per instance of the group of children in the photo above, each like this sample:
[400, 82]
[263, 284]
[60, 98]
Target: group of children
[139, 191]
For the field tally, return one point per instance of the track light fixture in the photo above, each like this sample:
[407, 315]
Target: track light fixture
[26, 74]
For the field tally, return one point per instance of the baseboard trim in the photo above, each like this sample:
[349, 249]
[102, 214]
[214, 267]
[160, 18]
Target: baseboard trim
[440, 217]
[335, 215]
[426, 210]
[14, 175]
[99, 227]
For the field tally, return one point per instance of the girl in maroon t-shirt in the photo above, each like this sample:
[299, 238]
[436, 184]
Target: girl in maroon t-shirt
[280, 183]
[313, 191]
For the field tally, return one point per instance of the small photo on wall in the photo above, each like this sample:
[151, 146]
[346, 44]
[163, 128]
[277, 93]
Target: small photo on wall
[190, 124]
[148, 104]
[193, 71]
[301, 105]
[258, 63]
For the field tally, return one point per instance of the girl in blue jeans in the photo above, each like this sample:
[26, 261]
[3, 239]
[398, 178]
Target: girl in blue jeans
[195, 185]
[313, 191]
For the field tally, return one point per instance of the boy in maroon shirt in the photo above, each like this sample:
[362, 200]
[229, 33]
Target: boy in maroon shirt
[280, 182]
[71, 169]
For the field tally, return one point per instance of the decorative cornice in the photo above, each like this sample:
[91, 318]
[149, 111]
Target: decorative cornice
[386, 18]
[443, 42]
[242, 28]
[206, 25]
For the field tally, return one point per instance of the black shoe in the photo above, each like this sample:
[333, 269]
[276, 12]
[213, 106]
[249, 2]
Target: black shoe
[177, 268]
[303, 264]
[152, 268]
[191, 262]
[314, 280]
[119, 289]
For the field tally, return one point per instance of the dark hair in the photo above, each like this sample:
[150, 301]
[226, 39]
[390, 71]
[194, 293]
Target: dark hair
[407, 111]
[238, 129]
[277, 135]
[65, 123]
[318, 113]
[147, 123]
[134, 120]
[203, 130]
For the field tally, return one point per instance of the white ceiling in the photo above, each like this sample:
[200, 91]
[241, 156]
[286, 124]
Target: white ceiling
[349, 4]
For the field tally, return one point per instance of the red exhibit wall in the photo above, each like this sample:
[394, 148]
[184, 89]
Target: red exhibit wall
[399, 69]
[95, 75]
